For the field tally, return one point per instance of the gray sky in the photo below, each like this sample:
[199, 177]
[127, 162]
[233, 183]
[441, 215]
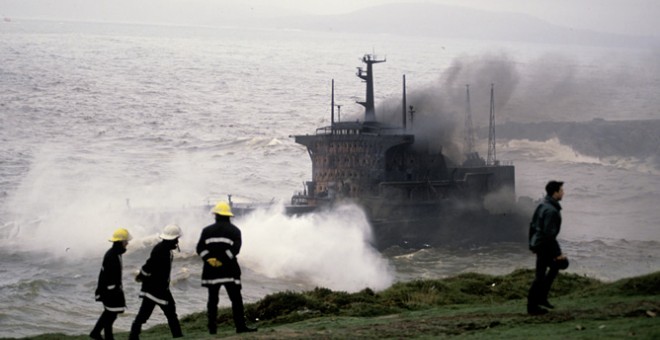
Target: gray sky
[636, 17]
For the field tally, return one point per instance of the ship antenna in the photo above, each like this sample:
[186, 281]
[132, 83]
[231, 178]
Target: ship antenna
[367, 76]
[404, 102]
[492, 158]
[469, 129]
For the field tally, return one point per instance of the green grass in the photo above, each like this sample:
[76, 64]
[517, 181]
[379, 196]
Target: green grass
[474, 306]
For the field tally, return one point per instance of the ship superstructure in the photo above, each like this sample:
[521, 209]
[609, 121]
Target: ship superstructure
[405, 186]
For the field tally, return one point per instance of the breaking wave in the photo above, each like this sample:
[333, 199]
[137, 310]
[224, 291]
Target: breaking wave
[554, 151]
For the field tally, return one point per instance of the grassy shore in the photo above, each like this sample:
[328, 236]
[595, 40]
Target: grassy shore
[474, 306]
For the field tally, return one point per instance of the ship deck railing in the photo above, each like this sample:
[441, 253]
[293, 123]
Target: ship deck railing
[356, 128]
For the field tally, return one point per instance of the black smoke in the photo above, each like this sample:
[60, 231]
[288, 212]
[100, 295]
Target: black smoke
[440, 109]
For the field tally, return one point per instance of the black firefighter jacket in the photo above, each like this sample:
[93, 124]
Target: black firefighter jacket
[109, 289]
[222, 241]
[544, 228]
[155, 273]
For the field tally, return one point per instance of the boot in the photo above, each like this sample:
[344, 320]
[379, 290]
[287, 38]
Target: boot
[545, 303]
[212, 318]
[175, 328]
[535, 310]
[213, 328]
[107, 330]
[245, 329]
[96, 332]
[103, 324]
[136, 328]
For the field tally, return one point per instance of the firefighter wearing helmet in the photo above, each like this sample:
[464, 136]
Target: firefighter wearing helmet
[155, 278]
[109, 289]
[218, 246]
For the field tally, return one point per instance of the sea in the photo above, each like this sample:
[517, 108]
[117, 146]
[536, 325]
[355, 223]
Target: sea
[106, 125]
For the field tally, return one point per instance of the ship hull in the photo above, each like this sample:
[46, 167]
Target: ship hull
[419, 225]
[463, 228]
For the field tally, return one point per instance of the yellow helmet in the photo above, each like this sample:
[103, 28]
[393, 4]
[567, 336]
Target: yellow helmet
[120, 234]
[222, 209]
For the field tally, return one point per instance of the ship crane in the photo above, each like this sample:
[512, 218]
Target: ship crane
[472, 158]
[404, 106]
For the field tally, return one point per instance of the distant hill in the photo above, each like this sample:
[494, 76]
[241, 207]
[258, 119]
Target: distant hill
[414, 19]
[435, 20]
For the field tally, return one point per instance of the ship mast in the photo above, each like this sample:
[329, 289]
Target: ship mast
[332, 109]
[367, 76]
[404, 102]
[332, 105]
[492, 158]
[469, 129]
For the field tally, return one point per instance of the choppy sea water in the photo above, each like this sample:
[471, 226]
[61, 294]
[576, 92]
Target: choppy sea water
[108, 125]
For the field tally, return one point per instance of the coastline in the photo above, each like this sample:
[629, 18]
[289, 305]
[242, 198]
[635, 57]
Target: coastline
[468, 305]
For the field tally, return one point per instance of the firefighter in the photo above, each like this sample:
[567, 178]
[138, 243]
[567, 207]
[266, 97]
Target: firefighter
[155, 278]
[219, 245]
[109, 289]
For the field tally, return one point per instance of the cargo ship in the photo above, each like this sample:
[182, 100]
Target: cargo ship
[413, 195]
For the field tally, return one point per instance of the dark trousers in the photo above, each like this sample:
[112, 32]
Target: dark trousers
[546, 272]
[145, 311]
[106, 320]
[234, 292]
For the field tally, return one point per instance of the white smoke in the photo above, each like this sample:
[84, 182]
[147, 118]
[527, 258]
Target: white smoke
[328, 249]
[70, 206]
[501, 201]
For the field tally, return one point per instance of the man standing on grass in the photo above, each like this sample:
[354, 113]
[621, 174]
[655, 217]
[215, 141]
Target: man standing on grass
[543, 231]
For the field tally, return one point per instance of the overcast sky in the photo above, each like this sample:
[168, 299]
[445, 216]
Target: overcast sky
[636, 17]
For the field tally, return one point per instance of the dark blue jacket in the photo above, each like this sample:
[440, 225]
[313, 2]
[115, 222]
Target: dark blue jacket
[155, 273]
[221, 240]
[109, 289]
[544, 228]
